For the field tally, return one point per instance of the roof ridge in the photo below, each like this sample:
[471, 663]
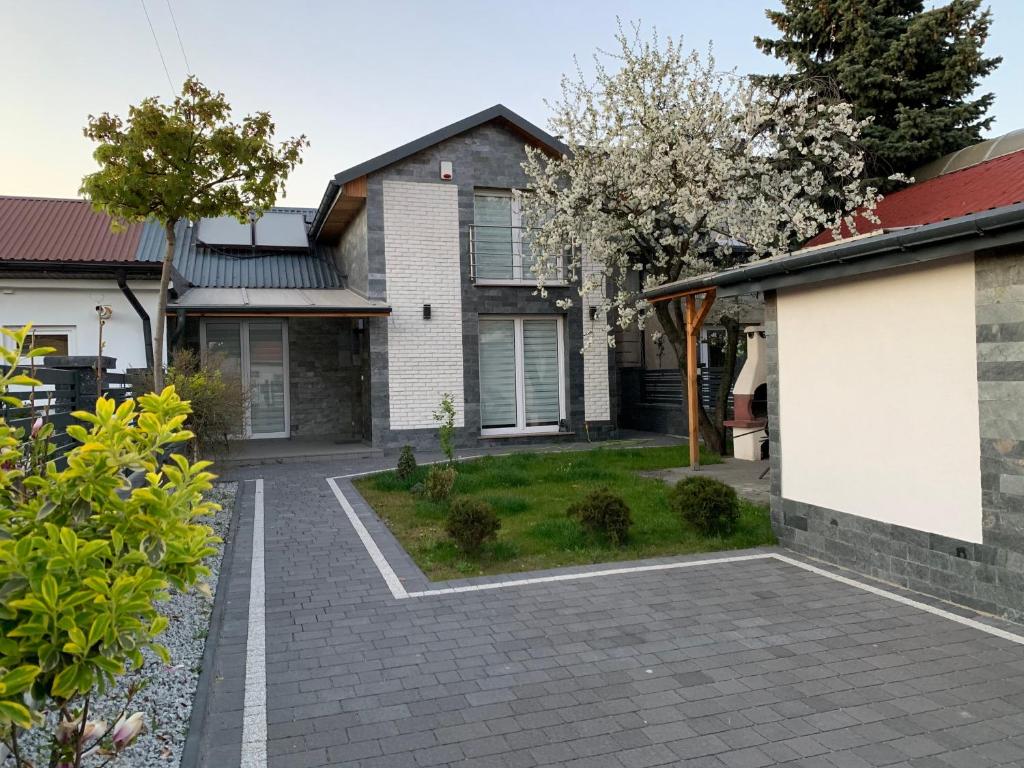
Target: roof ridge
[45, 199]
[950, 174]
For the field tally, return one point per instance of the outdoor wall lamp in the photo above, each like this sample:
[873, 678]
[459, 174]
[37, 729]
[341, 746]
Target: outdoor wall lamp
[426, 311]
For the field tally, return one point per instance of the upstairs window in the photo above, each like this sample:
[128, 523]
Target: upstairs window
[499, 246]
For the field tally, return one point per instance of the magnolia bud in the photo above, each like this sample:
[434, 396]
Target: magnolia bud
[126, 730]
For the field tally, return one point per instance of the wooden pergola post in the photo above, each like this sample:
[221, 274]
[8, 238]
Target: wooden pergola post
[694, 318]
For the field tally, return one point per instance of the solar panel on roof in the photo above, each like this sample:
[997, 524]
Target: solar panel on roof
[224, 230]
[281, 230]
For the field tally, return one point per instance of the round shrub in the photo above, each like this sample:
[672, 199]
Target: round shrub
[440, 481]
[406, 463]
[709, 505]
[603, 513]
[470, 523]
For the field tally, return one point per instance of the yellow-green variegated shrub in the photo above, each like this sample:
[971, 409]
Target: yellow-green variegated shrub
[87, 551]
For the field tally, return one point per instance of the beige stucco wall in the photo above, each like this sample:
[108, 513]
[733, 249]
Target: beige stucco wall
[878, 398]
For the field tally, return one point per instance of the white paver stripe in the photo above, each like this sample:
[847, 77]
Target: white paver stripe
[390, 577]
[399, 591]
[254, 718]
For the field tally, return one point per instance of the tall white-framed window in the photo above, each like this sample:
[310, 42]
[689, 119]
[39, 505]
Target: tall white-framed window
[522, 374]
[500, 243]
[257, 351]
[60, 337]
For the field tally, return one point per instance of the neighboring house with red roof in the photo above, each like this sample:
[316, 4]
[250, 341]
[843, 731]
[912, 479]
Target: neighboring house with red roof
[59, 262]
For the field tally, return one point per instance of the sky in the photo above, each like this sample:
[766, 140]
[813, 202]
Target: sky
[357, 78]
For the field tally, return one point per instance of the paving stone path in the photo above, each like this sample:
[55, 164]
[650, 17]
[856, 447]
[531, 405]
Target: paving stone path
[736, 665]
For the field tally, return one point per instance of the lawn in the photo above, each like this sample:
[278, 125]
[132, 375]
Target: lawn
[530, 493]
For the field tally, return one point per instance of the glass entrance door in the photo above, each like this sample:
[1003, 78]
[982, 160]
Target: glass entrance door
[257, 351]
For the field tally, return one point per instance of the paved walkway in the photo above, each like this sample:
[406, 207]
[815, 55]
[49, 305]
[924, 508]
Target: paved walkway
[732, 665]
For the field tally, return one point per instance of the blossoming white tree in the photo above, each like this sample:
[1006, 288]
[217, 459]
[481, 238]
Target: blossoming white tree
[676, 169]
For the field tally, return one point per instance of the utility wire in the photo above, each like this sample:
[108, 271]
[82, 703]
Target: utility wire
[158, 49]
[181, 45]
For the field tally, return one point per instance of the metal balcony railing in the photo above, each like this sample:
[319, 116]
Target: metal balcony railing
[503, 255]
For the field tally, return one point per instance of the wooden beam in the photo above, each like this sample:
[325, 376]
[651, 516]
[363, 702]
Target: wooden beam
[694, 318]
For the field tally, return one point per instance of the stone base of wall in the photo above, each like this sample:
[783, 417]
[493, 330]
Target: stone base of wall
[426, 439]
[980, 576]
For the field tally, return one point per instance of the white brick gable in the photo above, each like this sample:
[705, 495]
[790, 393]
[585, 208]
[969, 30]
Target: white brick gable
[596, 394]
[421, 254]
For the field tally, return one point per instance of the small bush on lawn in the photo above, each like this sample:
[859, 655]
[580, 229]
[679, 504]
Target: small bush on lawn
[406, 463]
[709, 505]
[472, 522]
[440, 481]
[603, 513]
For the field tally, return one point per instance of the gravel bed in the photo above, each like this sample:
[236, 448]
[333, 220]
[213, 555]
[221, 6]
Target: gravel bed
[167, 698]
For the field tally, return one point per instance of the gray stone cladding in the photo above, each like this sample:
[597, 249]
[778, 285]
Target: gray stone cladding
[326, 364]
[487, 157]
[987, 576]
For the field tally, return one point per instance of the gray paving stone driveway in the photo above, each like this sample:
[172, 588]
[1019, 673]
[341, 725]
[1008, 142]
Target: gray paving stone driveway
[736, 665]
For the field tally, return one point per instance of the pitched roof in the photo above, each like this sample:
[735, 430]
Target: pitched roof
[499, 112]
[35, 229]
[207, 266]
[992, 184]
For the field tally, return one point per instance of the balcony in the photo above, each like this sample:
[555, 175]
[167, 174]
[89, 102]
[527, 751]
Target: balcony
[501, 255]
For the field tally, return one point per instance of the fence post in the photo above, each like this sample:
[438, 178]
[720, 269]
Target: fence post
[85, 368]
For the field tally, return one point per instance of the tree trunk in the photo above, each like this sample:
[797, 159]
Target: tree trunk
[161, 310]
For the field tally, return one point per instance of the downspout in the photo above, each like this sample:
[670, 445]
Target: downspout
[147, 329]
[179, 329]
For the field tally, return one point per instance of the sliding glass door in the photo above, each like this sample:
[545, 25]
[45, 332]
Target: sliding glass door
[522, 374]
[257, 351]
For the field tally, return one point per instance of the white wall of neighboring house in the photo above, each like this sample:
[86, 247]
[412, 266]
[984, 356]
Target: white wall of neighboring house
[421, 251]
[863, 366]
[68, 305]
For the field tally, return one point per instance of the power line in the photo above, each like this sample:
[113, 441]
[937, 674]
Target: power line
[181, 45]
[158, 49]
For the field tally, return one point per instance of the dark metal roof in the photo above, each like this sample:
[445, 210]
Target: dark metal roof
[855, 256]
[206, 266]
[37, 230]
[498, 112]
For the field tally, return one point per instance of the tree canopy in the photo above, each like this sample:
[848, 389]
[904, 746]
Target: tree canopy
[184, 161]
[677, 168]
[913, 71]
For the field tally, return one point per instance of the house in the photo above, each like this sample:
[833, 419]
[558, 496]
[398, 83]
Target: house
[896, 388]
[410, 280]
[60, 263]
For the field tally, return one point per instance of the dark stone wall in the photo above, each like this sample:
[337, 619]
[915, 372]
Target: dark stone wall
[987, 576]
[488, 156]
[326, 361]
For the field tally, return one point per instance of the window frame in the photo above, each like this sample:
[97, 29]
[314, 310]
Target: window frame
[516, 217]
[521, 427]
[69, 332]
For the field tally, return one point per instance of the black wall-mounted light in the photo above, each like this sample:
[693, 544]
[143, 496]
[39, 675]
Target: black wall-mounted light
[593, 313]
[426, 311]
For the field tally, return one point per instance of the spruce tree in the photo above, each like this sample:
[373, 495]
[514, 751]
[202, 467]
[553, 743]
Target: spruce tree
[914, 71]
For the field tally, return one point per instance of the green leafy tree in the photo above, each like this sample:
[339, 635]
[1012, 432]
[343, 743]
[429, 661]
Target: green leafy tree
[185, 161]
[913, 71]
[85, 554]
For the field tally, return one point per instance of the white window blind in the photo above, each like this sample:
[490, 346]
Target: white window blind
[493, 239]
[540, 372]
[497, 374]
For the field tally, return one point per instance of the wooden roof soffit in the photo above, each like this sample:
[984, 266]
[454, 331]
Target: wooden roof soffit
[349, 200]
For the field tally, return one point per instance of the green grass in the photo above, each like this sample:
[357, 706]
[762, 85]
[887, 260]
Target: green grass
[531, 491]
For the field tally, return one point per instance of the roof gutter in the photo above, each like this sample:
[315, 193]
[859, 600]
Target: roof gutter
[147, 329]
[1001, 226]
[326, 203]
